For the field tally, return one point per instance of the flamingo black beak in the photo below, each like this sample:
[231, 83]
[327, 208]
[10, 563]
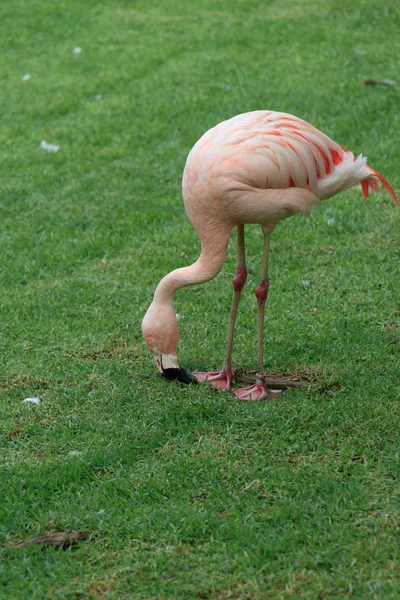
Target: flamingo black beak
[179, 374]
[168, 366]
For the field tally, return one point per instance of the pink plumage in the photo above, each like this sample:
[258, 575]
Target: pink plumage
[259, 167]
[266, 149]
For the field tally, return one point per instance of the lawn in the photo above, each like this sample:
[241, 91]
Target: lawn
[186, 492]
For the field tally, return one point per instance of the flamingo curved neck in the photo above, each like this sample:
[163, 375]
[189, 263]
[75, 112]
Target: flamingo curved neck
[206, 267]
[160, 325]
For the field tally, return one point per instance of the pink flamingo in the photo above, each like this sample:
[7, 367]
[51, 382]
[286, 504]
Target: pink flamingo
[258, 167]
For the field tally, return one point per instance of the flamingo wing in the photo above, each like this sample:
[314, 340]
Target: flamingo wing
[271, 150]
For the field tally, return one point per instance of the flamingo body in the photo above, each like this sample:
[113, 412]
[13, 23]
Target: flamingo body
[258, 167]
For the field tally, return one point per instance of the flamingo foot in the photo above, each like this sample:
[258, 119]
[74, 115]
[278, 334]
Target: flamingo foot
[218, 379]
[258, 391]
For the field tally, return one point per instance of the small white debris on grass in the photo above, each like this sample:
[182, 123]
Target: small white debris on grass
[98, 96]
[49, 147]
[75, 453]
[27, 77]
[33, 400]
[305, 283]
[77, 50]
[331, 221]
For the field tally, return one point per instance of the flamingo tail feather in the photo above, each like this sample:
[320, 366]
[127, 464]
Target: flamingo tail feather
[385, 184]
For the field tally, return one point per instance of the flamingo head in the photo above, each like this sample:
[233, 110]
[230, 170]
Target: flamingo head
[161, 334]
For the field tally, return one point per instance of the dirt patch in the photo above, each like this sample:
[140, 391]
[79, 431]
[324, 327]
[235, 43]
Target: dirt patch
[274, 382]
[59, 539]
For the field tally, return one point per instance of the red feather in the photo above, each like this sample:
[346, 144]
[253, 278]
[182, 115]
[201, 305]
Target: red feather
[385, 184]
[364, 186]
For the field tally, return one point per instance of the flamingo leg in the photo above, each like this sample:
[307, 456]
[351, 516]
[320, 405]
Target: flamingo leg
[259, 390]
[222, 379]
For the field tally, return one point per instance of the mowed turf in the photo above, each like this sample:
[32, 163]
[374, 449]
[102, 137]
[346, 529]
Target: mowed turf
[187, 493]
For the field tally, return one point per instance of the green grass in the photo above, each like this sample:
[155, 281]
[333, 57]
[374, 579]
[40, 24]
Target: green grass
[188, 493]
